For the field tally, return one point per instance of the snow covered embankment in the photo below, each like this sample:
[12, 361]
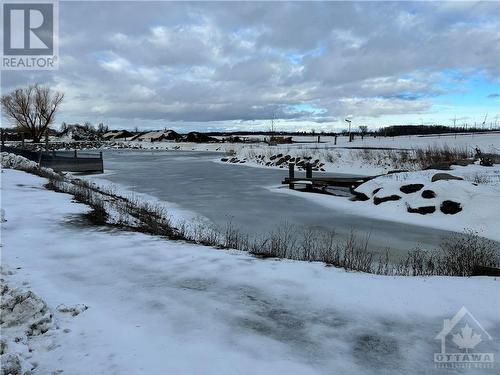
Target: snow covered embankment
[467, 197]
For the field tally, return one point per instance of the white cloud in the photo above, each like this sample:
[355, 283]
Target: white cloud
[210, 63]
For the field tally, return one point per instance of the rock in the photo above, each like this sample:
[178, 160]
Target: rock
[428, 194]
[411, 188]
[358, 196]
[376, 190]
[424, 210]
[463, 162]
[287, 157]
[281, 161]
[450, 207]
[378, 200]
[224, 159]
[444, 176]
[443, 166]
[279, 155]
[272, 157]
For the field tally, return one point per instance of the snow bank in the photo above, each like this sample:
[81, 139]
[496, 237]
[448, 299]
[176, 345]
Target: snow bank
[16, 162]
[13, 161]
[24, 316]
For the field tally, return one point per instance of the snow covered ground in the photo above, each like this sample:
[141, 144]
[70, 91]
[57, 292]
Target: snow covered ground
[478, 194]
[364, 157]
[163, 307]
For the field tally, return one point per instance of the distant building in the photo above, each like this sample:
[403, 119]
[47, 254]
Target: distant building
[158, 136]
[118, 135]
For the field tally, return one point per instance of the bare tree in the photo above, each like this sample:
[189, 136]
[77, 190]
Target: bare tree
[32, 109]
[101, 128]
[363, 129]
[89, 127]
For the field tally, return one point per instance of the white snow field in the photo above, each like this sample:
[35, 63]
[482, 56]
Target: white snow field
[162, 307]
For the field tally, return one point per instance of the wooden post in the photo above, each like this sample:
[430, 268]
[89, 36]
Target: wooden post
[335, 140]
[102, 162]
[309, 174]
[47, 141]
[291, 175]
[75, 155]
[22, 139]
[319, 138]
[3, 140]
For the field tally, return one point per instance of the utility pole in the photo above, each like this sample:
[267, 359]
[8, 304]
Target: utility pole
[350, 136]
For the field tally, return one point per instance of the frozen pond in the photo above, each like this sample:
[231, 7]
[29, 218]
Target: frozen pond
[225, 192]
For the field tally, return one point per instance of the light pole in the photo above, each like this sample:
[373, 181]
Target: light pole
[349, 122]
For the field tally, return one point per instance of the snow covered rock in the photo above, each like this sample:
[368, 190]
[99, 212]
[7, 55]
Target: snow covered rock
[428, 194]
[411, 188]
[378, 200]
[444, 176]
[424, 210]
[449, 207]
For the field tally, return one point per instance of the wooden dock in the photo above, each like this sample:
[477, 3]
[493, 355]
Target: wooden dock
[321, 182]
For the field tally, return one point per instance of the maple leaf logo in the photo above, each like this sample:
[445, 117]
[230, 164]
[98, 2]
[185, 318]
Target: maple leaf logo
[467, 339]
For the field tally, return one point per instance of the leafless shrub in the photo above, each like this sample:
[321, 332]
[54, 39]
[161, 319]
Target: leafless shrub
[479, 178]
[419, 262]
[462, 253]
[459, 255]
[434, 155]
[233, 238]
[356, 255]
[384, 266]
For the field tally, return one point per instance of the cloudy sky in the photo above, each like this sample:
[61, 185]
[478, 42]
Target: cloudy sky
[212, 66]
